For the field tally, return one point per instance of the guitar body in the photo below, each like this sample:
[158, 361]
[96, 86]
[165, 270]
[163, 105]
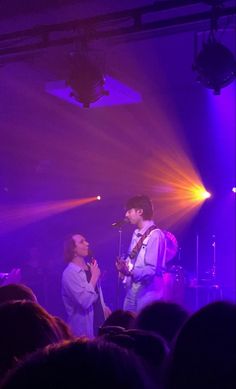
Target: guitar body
[124, 266]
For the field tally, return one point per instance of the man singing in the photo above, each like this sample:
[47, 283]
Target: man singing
[142, 269]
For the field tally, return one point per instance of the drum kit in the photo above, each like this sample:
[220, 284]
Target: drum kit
[173, 275]
[178, 282]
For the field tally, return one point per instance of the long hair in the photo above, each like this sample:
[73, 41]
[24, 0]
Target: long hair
[69, 248]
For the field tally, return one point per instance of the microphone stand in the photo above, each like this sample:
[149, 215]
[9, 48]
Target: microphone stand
[216, 287]
[213, 269]
[118, 277]
[197, 274]
[119, 225]
[120, 242]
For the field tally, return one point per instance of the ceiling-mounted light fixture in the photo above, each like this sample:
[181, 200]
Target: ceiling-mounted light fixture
[214, 63]
[86, 79]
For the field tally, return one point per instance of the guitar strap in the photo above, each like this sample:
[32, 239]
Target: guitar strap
[137, 247]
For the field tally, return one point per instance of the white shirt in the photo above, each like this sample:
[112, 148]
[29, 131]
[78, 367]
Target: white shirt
[78, 296]
[151, 257]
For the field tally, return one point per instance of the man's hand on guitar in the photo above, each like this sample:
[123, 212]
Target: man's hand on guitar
[122, 267]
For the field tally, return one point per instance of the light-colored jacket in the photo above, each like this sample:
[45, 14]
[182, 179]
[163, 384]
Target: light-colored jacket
[78, 296]
[145, 284]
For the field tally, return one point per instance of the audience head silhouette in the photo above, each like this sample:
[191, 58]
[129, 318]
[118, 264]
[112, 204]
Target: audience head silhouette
[81, 363]
[120, 318]
[13, 292]
[205, 351]
[163, 318]
[24, 327]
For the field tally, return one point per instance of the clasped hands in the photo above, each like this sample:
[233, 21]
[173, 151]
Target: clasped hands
[122, 267]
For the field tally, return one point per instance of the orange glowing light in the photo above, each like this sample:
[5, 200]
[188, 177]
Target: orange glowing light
[179, 190]
[22, 215]
[200, 194]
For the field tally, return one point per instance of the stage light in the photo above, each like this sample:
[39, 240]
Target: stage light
[205, 195]
[234, 189]
[98, 197]
[18, 216]
[199, 194]
[215, 65]
[86, 80]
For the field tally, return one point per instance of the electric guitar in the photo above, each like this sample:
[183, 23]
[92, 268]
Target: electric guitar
[124, 266]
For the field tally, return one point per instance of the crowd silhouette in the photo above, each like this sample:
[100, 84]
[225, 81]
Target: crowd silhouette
[161, 347]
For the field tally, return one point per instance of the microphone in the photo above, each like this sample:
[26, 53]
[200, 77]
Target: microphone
[91, 256]
[120, 223]
[92, 261]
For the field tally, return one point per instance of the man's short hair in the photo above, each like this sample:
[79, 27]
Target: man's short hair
[141, 202]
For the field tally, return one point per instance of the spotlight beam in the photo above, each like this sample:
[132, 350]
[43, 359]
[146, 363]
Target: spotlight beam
[19, 216]
[179, 189]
